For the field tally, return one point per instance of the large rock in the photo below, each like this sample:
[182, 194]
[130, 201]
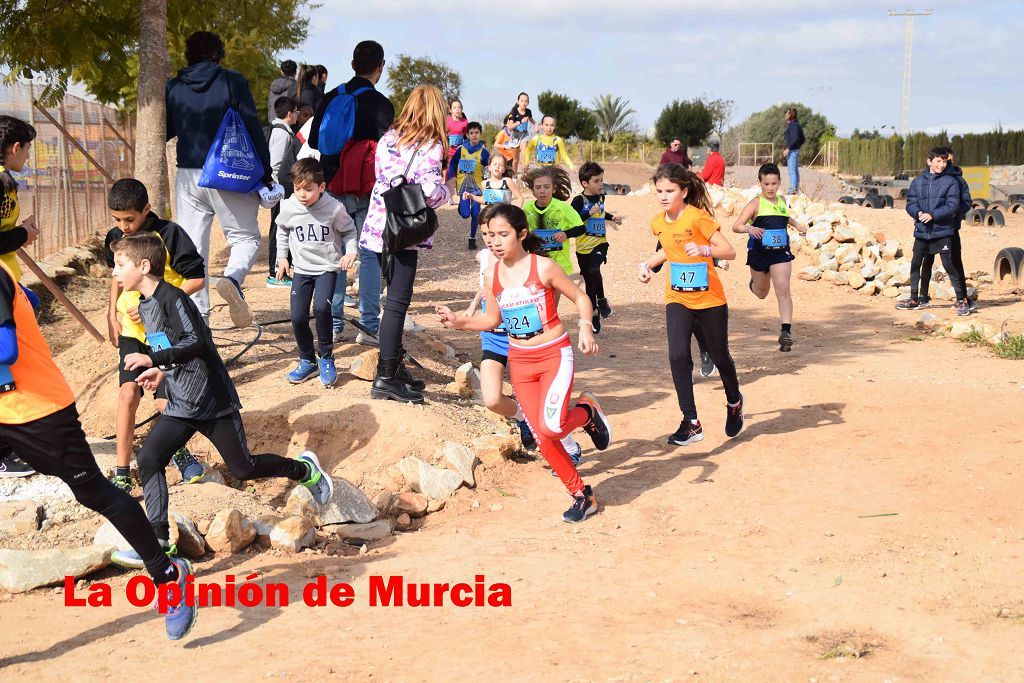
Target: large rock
[900, 274]
[414, 504]
[495, 449]
[890, 250]
[819, 234]
[870, 288]
[23, 570]
[942, 290]
[365, 533]
[186, 536]
[467, 380]
[891, 292]
[348, 504]
[847, 253]
[462, 460]
[929, 322]
[842, 279]
[20, 517]
[843, 234]
[230, 531]
[292, 534]
[364, 366]
[300, 503]
[430, 480]
[109, 537]
[810, 273]
[856, 280]
[961, 328]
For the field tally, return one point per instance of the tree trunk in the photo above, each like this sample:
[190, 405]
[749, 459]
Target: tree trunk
[150, 160]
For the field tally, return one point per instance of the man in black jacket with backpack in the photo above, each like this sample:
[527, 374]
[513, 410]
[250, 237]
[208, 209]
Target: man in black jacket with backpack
[374, 115]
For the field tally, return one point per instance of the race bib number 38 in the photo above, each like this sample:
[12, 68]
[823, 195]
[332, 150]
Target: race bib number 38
[775, 239]
[689, 277]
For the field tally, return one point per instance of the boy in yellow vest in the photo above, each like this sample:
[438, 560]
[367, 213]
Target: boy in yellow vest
[129, 206]
[467, 167]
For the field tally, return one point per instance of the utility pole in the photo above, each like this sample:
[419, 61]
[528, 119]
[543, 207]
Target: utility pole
[905, 88]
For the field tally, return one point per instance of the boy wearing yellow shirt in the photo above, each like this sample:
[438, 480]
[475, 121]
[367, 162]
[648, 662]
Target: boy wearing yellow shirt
[547, 149]
[129, 206]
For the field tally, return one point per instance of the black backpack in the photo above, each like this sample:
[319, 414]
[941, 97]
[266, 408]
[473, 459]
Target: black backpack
[409, 220]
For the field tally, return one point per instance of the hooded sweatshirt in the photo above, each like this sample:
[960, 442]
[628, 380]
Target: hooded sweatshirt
[197, 99]
[280, 87]
[315, 236]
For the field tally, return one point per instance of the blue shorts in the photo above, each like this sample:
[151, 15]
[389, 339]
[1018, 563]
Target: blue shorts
[494, 346]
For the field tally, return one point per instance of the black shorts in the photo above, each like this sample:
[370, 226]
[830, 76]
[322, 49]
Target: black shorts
[54, 445]
[762, 260]
[934, 246]
[126, 345]
[487, 354]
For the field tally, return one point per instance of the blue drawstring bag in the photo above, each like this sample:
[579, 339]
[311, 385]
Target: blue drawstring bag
[232, 163]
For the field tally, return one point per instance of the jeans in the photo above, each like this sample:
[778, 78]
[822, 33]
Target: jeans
[369, 274]
[320, 290]
[793, 160]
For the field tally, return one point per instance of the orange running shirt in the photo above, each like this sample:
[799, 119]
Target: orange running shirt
[690, 281]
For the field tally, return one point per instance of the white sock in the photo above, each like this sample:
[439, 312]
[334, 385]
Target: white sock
[570, 445]
[519, 413]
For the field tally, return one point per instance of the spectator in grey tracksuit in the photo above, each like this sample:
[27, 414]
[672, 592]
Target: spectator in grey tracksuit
[955, 244]
[933, 201]
[316, 231]
[285, 86]
[284, 147]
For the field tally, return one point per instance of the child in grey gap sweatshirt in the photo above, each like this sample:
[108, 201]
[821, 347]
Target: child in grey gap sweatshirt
[314, 228]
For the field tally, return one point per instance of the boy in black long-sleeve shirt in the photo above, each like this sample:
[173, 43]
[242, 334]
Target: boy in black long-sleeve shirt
[200, 395]
[592, 244]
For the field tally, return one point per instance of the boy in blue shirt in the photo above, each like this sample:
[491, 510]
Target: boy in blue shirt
[467, 167]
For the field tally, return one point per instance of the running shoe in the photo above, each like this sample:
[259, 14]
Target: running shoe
[191, 469]
[367, 339]
[785, 341]
[278, 282]
[924, 301]
[599, 429]
[910, 304]
[15, 467]
[472, 245]
[973, 305]
[963, 307]
[688, 432]
[328, 372]
[123, 482]
[707, 364]
[526, 435]
[734, 418]
[306, 369]
[596, 322]
[604, 308]
[583, 505]
[319, 482]
[129, 559]
[241, 314]
[179, 619]
[338, 336]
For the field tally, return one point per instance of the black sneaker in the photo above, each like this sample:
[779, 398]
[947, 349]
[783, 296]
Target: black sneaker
[924, 301]
[688, 432]
[596, 322]
[963, 307]
[911, 304]
[707, 365]
[604, 309]
[734, 418]
[15, 467]
[526, 436]
[598, 428]
[583, 505]
[785, 341]
[472, 246]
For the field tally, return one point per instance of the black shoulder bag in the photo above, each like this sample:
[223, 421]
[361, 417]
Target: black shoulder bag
[409, 220]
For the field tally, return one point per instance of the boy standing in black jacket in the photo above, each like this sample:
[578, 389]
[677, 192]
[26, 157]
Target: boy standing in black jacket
[955, 244]
[200, 395]
[933, 201]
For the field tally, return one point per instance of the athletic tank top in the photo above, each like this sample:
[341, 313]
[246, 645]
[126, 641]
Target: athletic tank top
[470, 164]
[546, 154]
[497, 195]
[530, 308]
[33, 387]
[773, 218]
[10, 212]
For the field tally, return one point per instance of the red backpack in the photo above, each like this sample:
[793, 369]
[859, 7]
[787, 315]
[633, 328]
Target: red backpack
[356, 169]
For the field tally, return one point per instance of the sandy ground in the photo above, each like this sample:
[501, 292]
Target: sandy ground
[757, 558]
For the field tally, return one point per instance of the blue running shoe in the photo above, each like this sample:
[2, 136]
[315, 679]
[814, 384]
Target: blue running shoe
[328, 373]
[529, 443]
[180, 619]
[306, 369]
[191, 469]
[319, 482]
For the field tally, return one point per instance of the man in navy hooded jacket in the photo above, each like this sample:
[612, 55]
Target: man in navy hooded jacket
[197, 99]
[933, 201]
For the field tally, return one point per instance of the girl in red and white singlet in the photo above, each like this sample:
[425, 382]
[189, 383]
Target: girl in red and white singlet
[522, 293]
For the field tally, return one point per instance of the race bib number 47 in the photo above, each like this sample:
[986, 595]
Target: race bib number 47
[689, 277]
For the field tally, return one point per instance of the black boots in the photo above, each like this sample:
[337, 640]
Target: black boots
[388, 385]
[406, 376]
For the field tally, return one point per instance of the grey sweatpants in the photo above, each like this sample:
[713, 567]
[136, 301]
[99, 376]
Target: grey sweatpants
[194, 209]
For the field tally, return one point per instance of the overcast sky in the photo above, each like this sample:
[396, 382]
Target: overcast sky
[844, 59]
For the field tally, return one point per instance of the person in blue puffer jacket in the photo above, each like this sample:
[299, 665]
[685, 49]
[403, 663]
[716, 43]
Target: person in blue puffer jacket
[933, 201]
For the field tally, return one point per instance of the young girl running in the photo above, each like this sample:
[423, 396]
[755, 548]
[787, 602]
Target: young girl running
[550, 217]
[547, 149]
[456, 124]
[690, 240]
[765, 218]
[494, 354]
[592, 247]
[522, 122]
[497, 188]
[522, 292]
[507, 145]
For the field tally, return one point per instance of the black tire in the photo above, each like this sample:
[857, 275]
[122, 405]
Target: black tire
[994, 218]
[1001, 204]
[889, 201]
[979, 203]
[1008, 263]
[872, 201]
[903, 193]
[846, 199]
[1017, 207]
[975, 217]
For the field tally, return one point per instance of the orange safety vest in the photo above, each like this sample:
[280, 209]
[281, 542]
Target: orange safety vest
[39, 387]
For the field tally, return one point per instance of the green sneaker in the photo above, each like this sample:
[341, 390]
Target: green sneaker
[129, 559]
[319, 482]
[123, 482]
[191, 469]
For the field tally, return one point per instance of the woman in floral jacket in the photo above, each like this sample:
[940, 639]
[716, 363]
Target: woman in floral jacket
[419, 130]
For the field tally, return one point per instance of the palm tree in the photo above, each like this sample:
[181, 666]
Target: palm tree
[612, 115]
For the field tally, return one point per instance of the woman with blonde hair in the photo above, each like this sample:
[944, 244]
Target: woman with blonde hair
[414, 148]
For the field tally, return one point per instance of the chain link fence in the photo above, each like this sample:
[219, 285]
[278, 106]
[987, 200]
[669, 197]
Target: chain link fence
[80, 149]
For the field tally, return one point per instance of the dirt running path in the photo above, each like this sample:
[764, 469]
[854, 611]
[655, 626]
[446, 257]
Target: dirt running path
[756, 558]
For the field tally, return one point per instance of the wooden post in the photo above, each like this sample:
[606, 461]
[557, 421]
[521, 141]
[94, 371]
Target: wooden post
[68, 136]
[119, 136]
[59, 295]
[35, 165]
[88, 174]
[72, 228]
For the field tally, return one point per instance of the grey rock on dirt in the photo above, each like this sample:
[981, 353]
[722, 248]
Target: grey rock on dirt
[23, 570]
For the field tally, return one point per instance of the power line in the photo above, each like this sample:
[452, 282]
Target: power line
[907, 46]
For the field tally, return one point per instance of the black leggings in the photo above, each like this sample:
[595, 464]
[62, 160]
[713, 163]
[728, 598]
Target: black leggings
[319, 289]
[227, 435]
[590, 269]
[958, 263]
[55, 445]
[680, 322]
[401, 274]
[921, 250]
